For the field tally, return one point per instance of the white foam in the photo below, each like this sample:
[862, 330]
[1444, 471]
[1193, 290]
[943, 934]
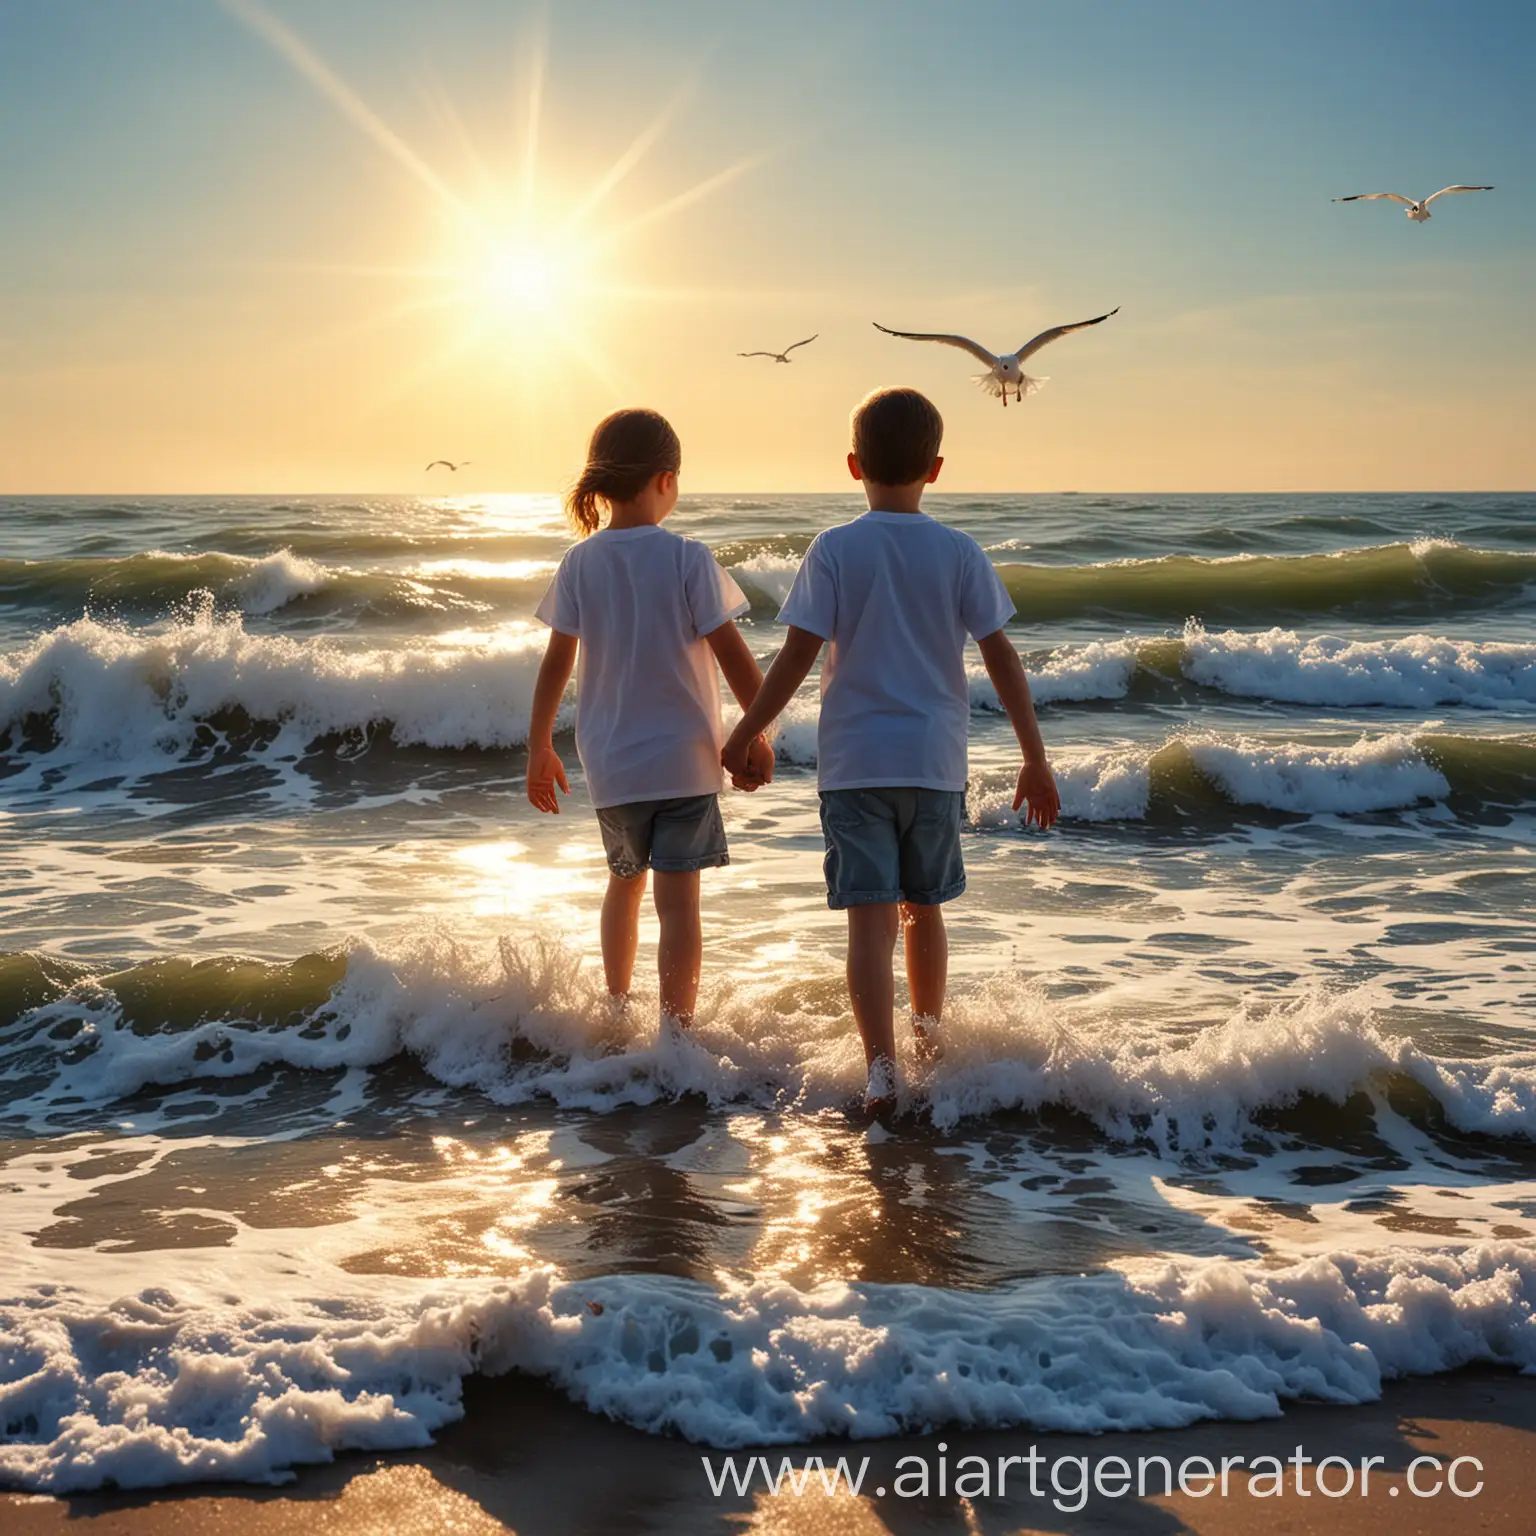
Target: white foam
[276, 580]
[766, 576]
[1111, 785]
[122, 693]
[1415, 672]
[1379, 773]
[1202, 1092]
[187, 1382]
[524, 1021]
[1101, 669]
[794, 738]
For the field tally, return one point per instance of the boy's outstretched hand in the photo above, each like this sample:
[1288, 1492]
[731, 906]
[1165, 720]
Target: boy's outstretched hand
[545, 770]
[1037, 785]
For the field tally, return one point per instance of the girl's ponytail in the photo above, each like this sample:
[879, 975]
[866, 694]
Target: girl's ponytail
[628, 450]
[581, 502]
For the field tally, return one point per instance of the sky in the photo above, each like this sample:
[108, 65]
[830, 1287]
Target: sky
[298, 246]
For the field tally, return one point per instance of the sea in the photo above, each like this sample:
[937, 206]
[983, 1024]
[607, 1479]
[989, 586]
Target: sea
[312, 1107]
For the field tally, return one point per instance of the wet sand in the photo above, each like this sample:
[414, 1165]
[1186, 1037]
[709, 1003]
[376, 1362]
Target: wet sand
[525, 1460]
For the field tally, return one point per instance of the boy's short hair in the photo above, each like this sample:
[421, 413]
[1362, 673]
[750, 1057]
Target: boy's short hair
[897, 434]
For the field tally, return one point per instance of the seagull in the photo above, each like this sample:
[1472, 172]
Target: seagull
[1006, 368]
[1417, 211]
[448, 464]
[781, 357]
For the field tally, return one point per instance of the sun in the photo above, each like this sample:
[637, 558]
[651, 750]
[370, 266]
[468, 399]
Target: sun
[521, 277]
[524, 275]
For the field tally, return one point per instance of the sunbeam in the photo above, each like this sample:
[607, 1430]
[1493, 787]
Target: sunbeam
[319, 74]
[626, 162]
[522, 273]
[539, 64]
[694, 194]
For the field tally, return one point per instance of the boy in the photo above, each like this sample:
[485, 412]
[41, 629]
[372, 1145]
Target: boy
[893, 594]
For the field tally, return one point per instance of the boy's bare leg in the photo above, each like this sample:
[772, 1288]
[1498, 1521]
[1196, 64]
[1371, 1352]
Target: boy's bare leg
[871, 946]
[621, 930]
[680, 955]
[927, 946]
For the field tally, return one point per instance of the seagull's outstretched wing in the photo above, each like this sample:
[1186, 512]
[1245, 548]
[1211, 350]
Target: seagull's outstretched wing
[977, 351]
[808, 340]
[1045, 338]
[1370, 197]
[757, 354]
[443, 462]
[1443, 190]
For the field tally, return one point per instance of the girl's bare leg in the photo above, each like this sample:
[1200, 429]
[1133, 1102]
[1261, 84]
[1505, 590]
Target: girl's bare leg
[680, 954]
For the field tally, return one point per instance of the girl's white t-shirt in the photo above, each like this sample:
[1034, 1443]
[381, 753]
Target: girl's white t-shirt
[640, 601]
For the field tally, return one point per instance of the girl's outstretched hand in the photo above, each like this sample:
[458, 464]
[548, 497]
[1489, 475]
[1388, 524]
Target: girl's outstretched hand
[1037, 785]
[545, 770]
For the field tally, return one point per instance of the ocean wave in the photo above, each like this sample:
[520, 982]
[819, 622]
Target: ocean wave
[206, 1386]
[1427, 577]
[1382, 581]
[158, 580]
[1280, 666]
[519, 1021]
[1201, 777]
[766, 577]
[96, 692]
[97, 689]
[1415, 672]
[100, 690]
[162, 583]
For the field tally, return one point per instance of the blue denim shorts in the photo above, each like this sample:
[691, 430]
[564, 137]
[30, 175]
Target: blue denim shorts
[671, 836]
[900, 844]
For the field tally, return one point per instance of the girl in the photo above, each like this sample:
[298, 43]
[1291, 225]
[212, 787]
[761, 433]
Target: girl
[650, 614]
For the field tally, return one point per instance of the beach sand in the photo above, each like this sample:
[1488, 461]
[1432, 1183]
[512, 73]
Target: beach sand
[524, 1459]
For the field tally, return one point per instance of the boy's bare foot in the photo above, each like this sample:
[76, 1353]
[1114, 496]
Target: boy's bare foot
[880, 1092]
[927, 1042]
[672, 1029]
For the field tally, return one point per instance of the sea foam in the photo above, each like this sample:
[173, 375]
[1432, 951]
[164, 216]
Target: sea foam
[1393, 771]
[524, 1020]
[1415, 672]
[120, 693]
[203, 1385]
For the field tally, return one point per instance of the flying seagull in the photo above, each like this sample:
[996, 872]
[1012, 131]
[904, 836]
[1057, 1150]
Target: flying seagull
[1006, 368]
[1417, 211]
[448, 464]
[781, 357]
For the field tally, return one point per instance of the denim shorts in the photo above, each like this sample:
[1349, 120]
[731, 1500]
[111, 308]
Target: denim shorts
[899, 844]
[672, 836]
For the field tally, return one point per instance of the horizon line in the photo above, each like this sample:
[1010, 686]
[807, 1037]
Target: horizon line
[1320, 490]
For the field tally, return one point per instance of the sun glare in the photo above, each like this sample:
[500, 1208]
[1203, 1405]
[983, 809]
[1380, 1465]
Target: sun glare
[524, 266]
[526, 276]
[520, 278]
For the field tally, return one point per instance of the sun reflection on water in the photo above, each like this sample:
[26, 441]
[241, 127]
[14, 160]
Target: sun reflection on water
[503, 882]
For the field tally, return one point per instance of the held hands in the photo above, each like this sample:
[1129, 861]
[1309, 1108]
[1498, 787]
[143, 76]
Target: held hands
[1038, 787]
[749, 764]
[759, 763]
[545, 770]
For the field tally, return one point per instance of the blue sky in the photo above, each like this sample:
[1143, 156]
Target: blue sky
[186, 219]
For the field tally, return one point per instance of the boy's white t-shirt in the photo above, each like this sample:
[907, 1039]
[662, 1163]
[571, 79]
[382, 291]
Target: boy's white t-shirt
[641, 601]
[895, 594]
